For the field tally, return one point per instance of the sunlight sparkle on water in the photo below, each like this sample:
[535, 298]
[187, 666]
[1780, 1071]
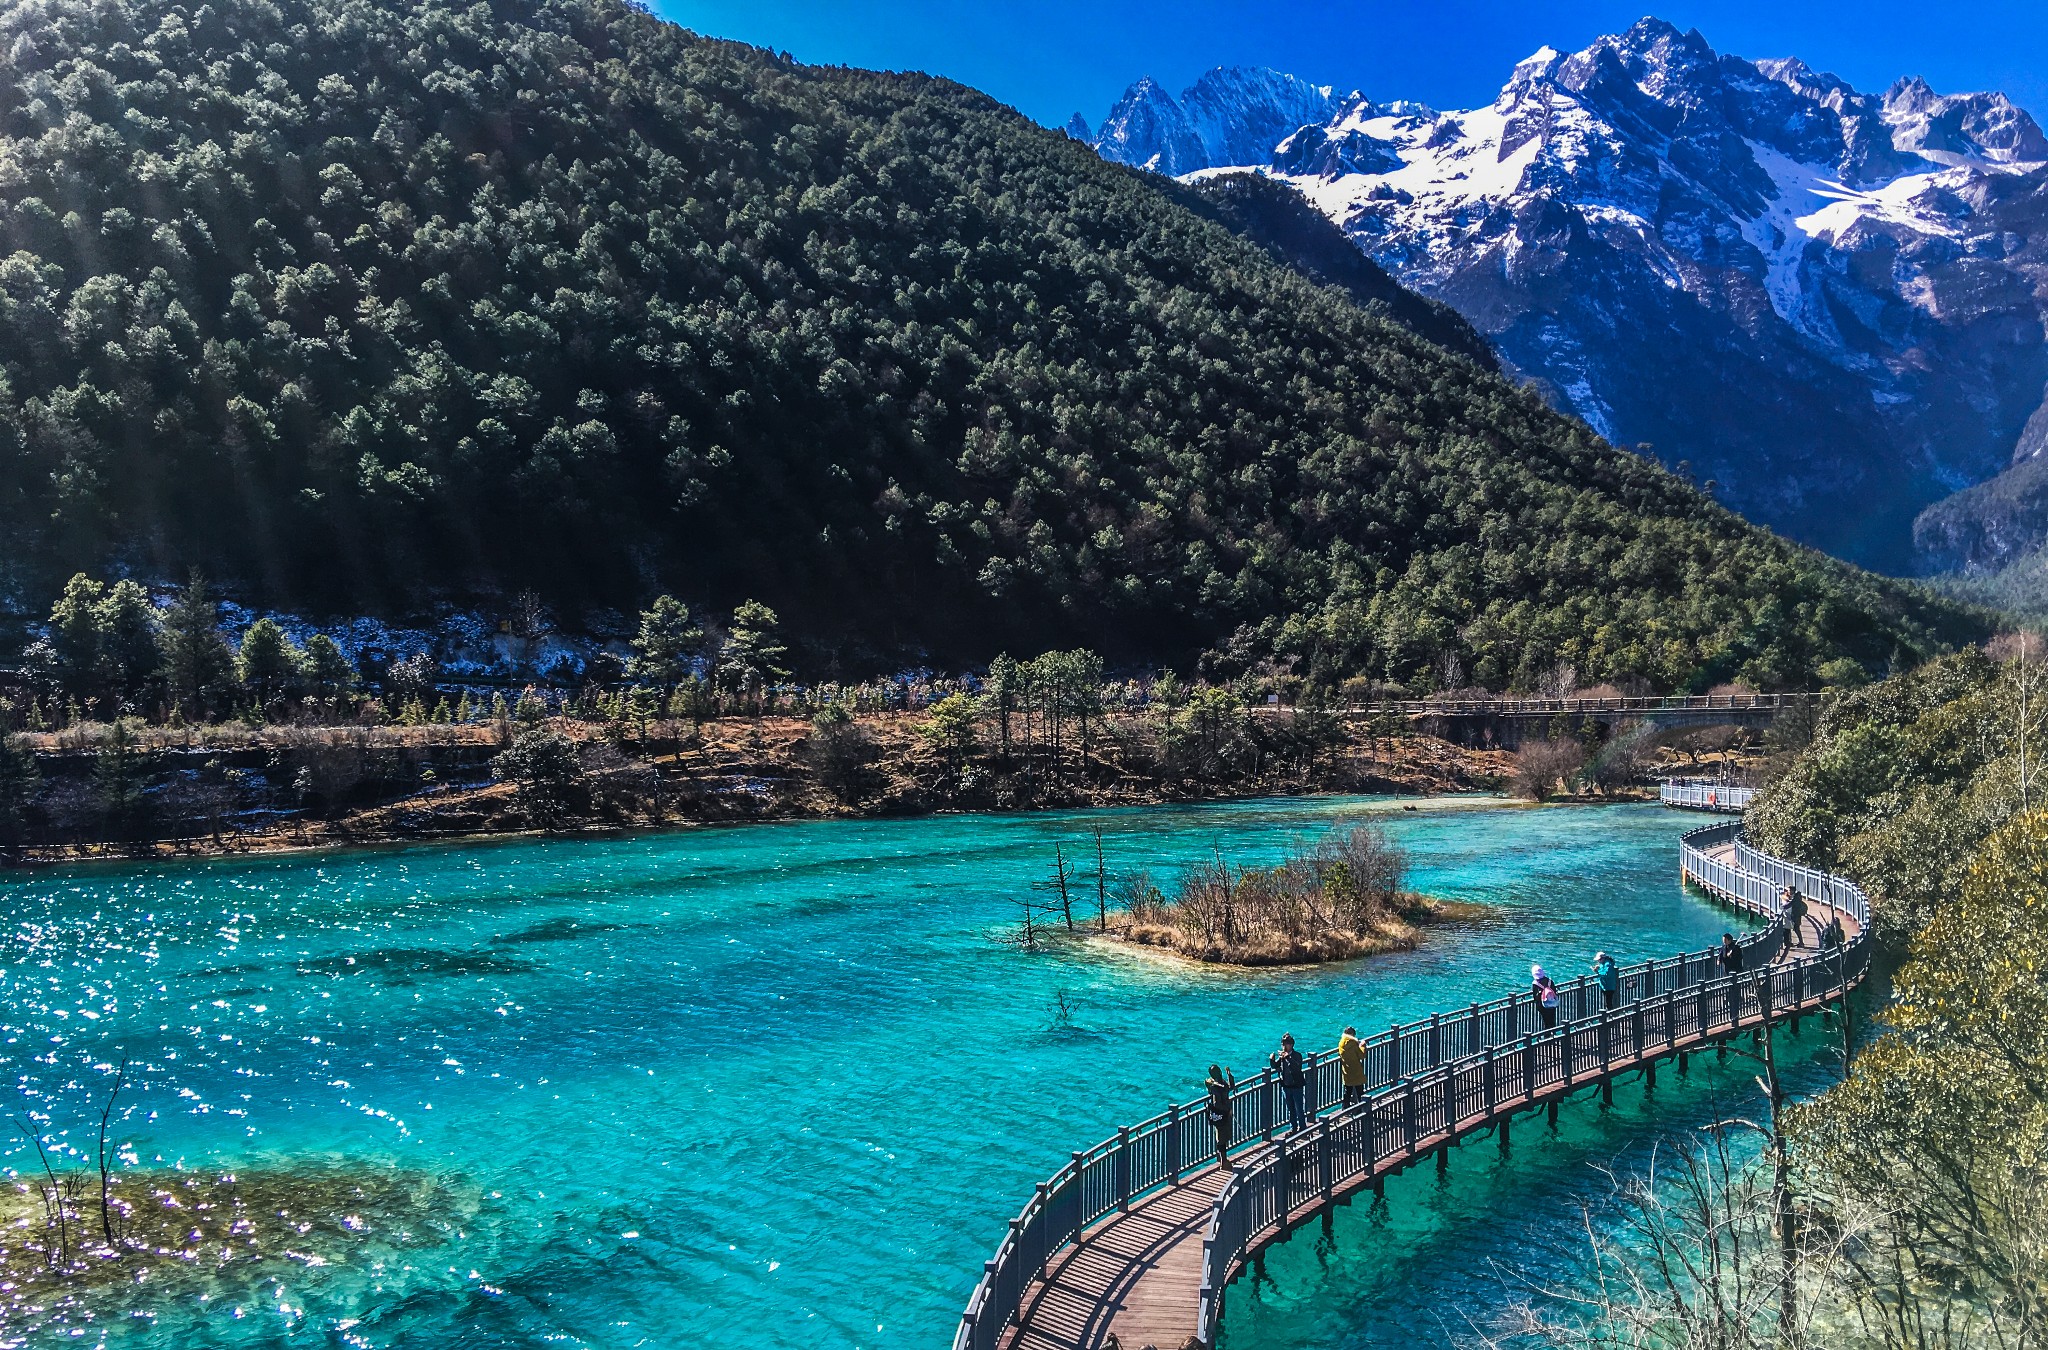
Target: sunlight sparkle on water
[780, 1084]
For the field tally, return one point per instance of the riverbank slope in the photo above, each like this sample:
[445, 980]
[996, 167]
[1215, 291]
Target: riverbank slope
[239, 790]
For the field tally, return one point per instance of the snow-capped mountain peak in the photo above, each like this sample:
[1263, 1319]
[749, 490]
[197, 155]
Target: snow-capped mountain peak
[1230, 115]
[1814, 294]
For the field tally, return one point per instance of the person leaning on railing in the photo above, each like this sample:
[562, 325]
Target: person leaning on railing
[1220, 1086]
[1608, 976]
[1351, 1059]
[1287, 1067]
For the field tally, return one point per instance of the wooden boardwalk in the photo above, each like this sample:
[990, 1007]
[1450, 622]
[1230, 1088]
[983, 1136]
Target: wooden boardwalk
[1136, 1278]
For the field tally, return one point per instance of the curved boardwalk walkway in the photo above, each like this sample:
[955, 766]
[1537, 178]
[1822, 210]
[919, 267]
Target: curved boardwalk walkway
[1133, 1243]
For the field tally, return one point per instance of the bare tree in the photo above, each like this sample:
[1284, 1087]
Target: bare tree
[1692, 1264]
[1541, 765]
[1101, 882]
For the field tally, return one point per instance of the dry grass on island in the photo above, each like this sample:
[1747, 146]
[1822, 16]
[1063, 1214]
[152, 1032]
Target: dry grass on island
[1341, 899]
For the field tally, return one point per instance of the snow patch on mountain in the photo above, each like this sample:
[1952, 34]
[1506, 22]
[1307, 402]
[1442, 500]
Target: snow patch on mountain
[1817, 293]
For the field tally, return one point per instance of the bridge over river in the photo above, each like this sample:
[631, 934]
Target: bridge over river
[1506, 721]
[1135, 1241]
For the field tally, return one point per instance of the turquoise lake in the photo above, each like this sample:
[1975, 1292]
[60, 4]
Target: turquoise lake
[773, 1085]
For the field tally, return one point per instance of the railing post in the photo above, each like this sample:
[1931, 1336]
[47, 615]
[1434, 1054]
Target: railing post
[1408, 1116]
[1283, 1186]
[1436, 1047]
[1529, 1065]
[1606, 1042]
[1173, 1148]
[1266, 1103]
[1394, 1052]
[1474, 1039]
[1123, 1169]
[1312, 1081]
[1329, 1163]
[1487, 1080]
[1044, 1194]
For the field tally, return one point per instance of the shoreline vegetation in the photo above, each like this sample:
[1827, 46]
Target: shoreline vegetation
[123, 792]
[1400, 930]
[140, 731]
[1901, 1208]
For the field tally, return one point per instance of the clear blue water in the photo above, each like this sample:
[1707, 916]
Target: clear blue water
[768, 1085]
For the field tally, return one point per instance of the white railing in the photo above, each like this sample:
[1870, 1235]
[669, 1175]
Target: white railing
[1698, 794]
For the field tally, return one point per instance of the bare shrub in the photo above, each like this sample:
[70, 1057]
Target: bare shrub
[1363, 871]
[1624, 759]
[1341, 897]
[841, 752]
[331, 762]
[1696, 1260]
[1541, 766]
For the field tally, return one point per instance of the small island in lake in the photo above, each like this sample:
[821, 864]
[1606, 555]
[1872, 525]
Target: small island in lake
[1341, 899]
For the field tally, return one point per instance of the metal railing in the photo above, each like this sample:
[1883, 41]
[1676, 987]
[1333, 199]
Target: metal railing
[1701, 795]
[1430, 1108]
[1141, 1158]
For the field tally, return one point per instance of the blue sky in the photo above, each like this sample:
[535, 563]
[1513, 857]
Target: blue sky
[1051, 58]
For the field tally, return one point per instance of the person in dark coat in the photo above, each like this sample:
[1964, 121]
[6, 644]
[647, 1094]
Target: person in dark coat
[1287, 1067]
[1219, 1086]
[1792, 905]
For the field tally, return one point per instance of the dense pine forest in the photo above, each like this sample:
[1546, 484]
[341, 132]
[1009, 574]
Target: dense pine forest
[355, 304]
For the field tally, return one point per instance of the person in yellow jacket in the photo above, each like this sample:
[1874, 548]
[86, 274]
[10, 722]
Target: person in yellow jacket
[1351, 1057]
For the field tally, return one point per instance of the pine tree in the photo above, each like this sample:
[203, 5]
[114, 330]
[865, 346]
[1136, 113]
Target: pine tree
[465, 711]
[666, 643]
[78, 637]
[128, 634]
[498, 709]
[329, 675]
[643, 705]
[753, 653]
[198, 663]
[443, 714]
[270, 664]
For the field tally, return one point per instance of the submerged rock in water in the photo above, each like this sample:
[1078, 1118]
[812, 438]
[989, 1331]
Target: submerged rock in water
[164, 1240]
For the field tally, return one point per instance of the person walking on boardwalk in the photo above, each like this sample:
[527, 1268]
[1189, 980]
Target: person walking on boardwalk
[1544, 990]
[1608, 976]
[1731, 964]
[1792, 905]
[1351, 1059]
[1287, 1067]
[1220, 1086]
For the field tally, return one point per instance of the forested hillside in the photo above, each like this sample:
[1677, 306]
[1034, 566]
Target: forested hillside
[351, 304]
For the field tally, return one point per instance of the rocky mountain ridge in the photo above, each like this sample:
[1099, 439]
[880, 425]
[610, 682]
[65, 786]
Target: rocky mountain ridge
[1828, 302]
